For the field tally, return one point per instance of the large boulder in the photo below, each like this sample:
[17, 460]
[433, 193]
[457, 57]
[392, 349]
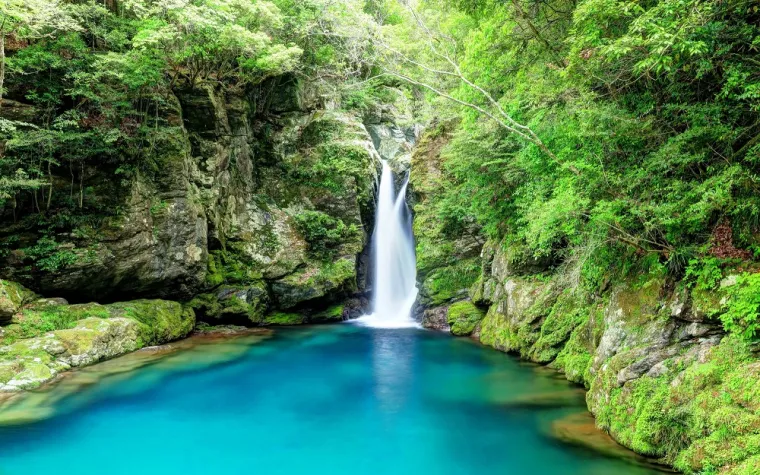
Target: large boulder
[31, 353]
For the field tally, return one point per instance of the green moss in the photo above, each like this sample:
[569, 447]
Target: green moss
[333, 313]
[640, 299]
[35, 321]
[324, 233]
[315, 281]
[12, 297]
[226, 266]
[234, 304]
[447, 283]
[22, 357]
[283, 318]
[496, 331]
[163, 320]
[331, 156]
[463, 317]
[705, 420]
[80, 339]
[566, 315]
[574, 359]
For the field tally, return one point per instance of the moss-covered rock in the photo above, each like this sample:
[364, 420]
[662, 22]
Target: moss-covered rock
[513, 323]
[12, 297]
[316, 281]
[233, 304]
[463, 317]
[53, 338]
[663, 378]
[566, 314]
[448, 283]
[285, 318]
[334, 313]
[162, 320]
[34, 320]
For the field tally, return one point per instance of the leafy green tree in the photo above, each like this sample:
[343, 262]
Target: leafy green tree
[30, 19]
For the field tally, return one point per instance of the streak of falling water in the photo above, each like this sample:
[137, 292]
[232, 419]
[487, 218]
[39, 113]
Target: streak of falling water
[395, 285]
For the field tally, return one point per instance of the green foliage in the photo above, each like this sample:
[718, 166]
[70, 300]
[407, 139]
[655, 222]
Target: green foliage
[323, 233]
[742, 315]
[704, 274]
[51, 256]
[93, 87]
[227, 267]
[642, 100]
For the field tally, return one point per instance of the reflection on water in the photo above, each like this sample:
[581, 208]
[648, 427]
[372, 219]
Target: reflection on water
[343, 399]
[393, 356]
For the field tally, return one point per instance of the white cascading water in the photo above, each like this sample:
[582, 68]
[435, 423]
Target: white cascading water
[395, 269]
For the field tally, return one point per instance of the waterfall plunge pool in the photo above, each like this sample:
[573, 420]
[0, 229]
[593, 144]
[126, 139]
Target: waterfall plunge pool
[340, 399]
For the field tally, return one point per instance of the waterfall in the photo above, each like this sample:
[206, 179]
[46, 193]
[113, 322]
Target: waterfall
[395, 273]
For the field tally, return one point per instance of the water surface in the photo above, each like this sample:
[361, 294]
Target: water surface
[341, 399]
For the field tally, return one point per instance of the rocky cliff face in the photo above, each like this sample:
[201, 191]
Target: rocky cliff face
[663, 378]
[260, 200]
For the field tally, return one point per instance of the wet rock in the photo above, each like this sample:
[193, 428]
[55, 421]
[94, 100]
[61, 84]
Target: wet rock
[355, 307]
[580, 430]
[435, 318]
[547, 400]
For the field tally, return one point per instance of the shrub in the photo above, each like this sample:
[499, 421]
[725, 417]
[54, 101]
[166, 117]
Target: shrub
[743, 307]
[323, 232]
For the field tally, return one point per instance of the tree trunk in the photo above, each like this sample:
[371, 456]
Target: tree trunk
[50, 189]
[2, 66]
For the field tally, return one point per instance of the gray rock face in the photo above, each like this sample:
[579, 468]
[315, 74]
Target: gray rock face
[394, 143]
[647, 348]
[436, 318]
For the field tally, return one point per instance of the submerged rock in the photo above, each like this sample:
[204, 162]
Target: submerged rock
[580, 429]
[206, 347]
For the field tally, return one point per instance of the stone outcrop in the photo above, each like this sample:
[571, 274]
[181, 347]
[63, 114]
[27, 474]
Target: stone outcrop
[47, 337]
